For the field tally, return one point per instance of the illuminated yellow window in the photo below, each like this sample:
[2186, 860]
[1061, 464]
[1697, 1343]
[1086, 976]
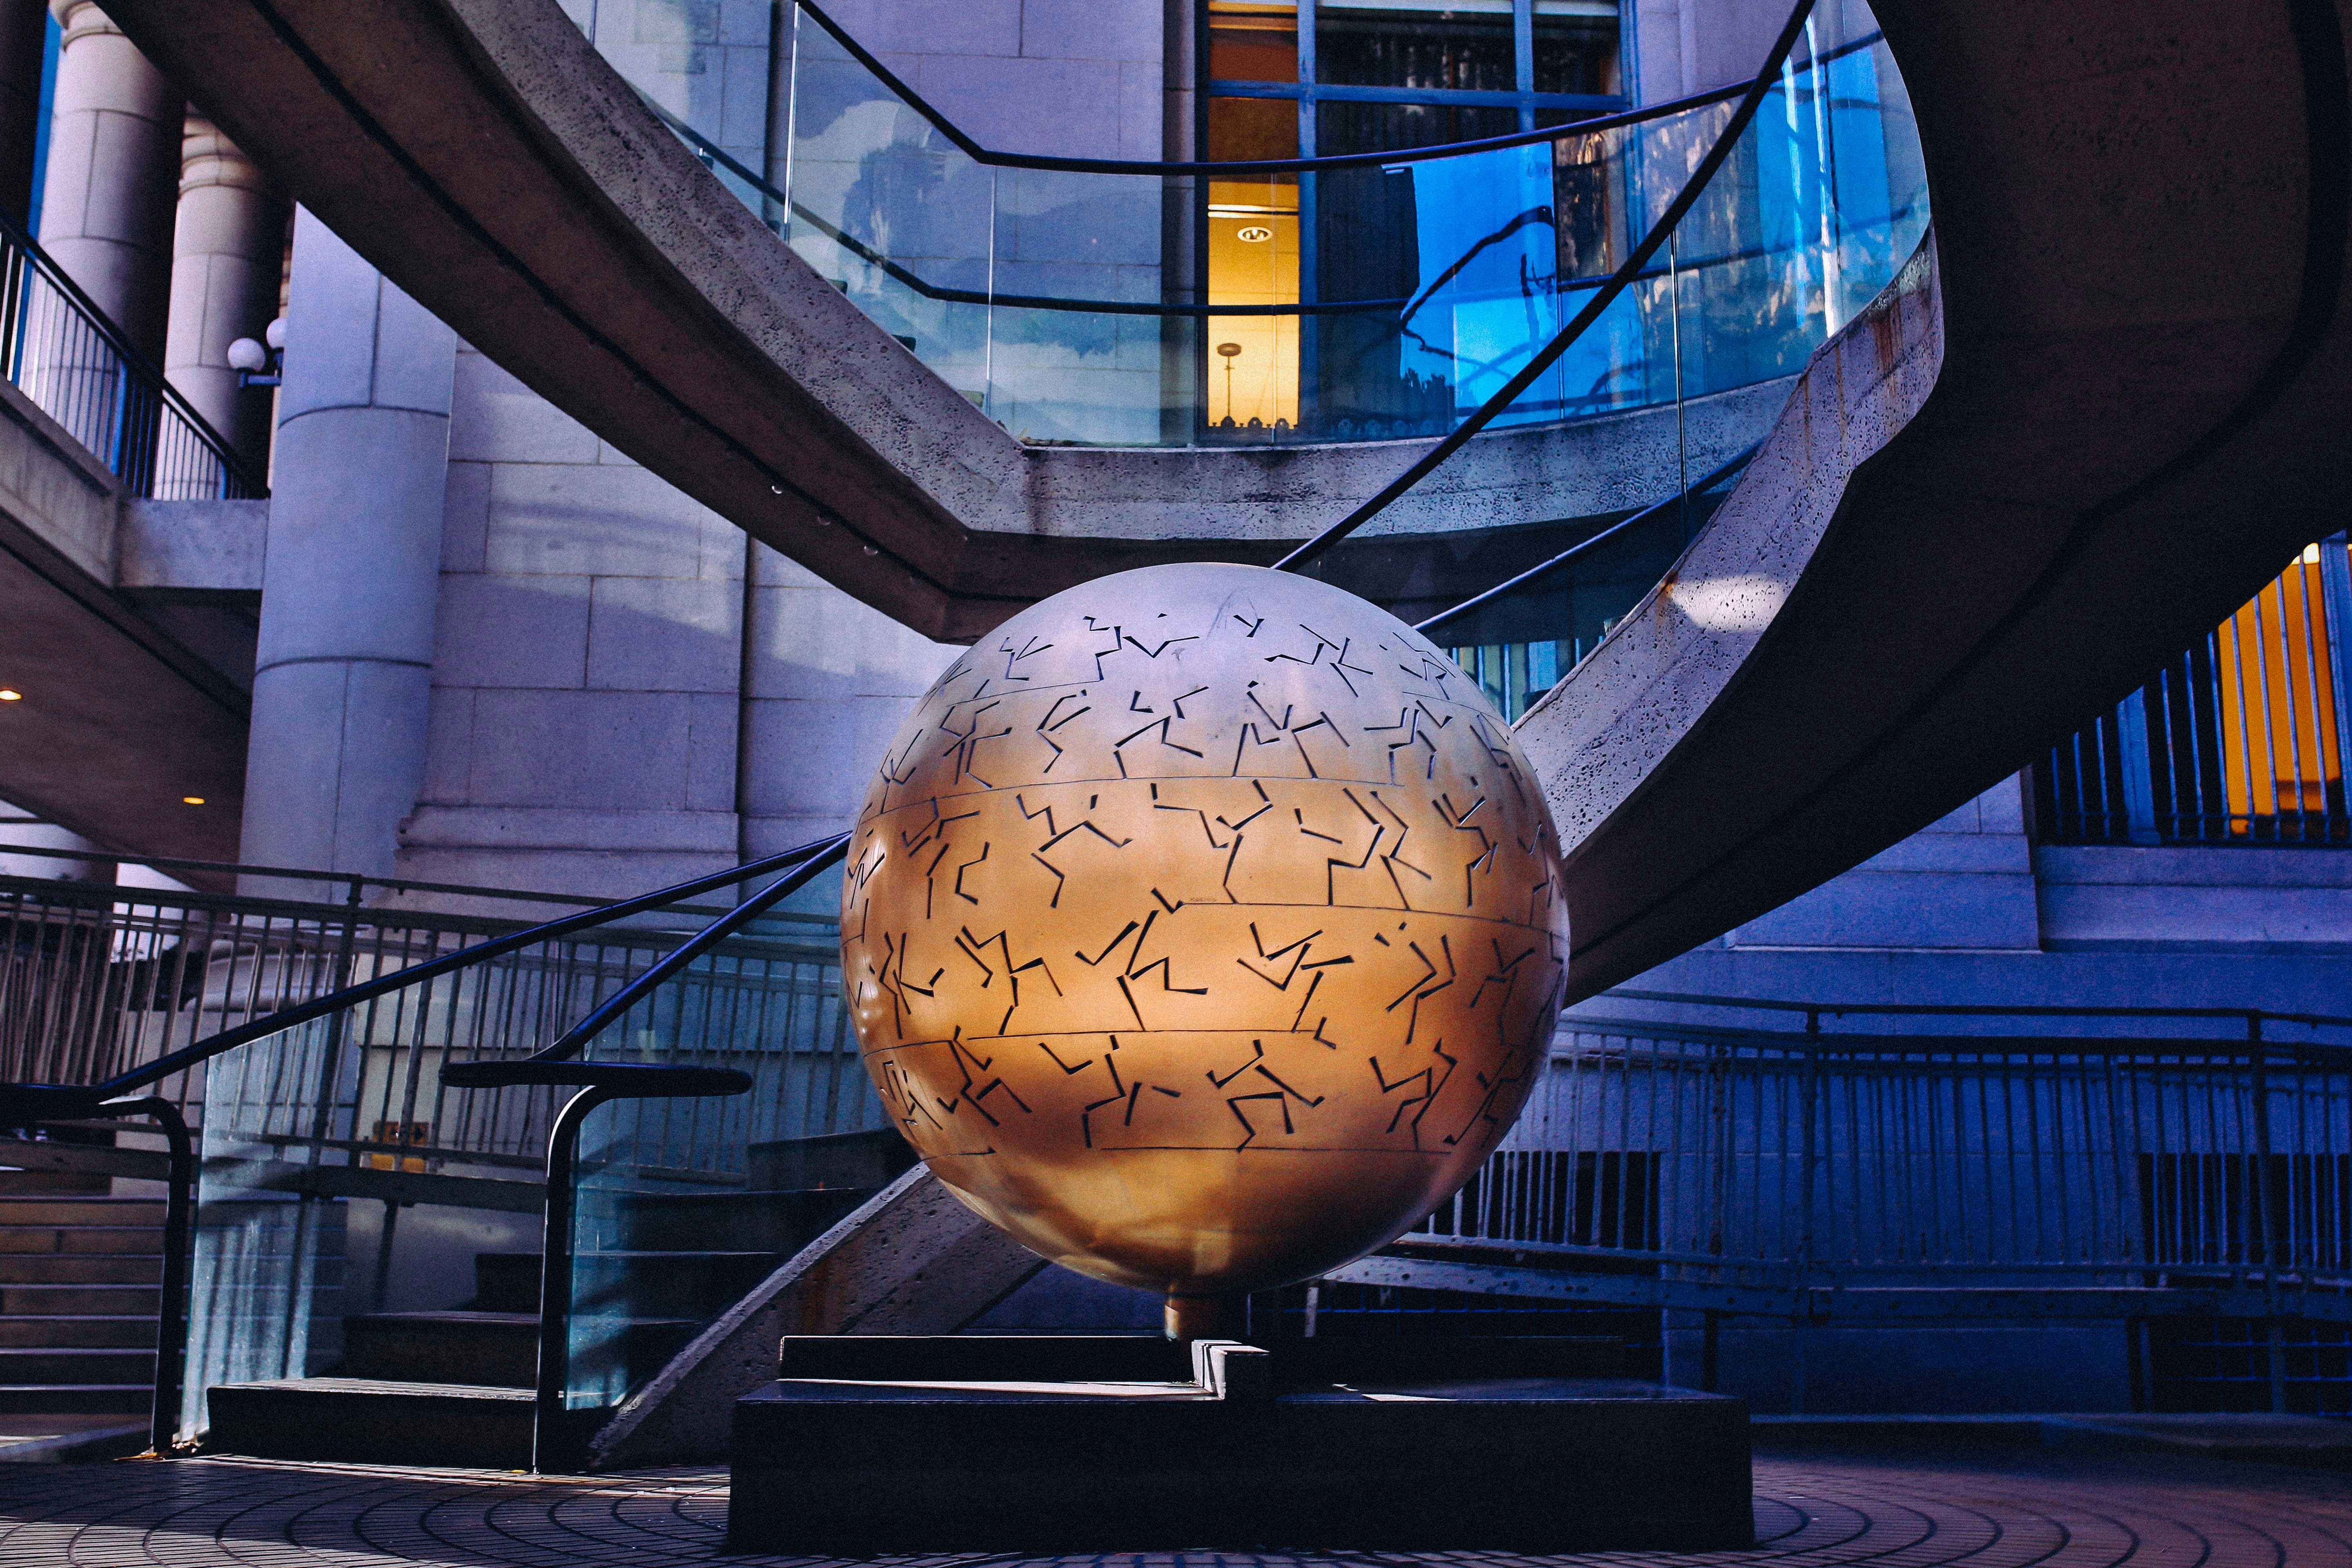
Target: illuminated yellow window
[1253, 225]
[2278, 719]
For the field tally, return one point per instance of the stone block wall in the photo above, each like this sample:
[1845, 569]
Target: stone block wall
[599, 723]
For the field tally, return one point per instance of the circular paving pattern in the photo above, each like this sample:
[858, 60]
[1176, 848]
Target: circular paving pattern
[2024, 1511]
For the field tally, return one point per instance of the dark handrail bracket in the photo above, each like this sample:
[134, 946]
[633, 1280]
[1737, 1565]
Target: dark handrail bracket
[27, 1104]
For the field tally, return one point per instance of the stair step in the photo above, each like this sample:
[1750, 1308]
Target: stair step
[80, 1238]
[50, 1210]
[372, 1421]
[52, 1439]
[72, 1398]
[91, 1330]
[783, 1220]
[61, 1300]
[496, 1349]
[79, 1268]
[72, 1364]
[506, 1283]
[635, 1284]
[19, 1182]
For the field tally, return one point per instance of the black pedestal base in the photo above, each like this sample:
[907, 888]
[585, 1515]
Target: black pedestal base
[873, 1446]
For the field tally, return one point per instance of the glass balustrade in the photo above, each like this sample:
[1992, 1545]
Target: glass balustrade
[316, 1140]
[1519, 643]
[1373, 299]
[682, 1205]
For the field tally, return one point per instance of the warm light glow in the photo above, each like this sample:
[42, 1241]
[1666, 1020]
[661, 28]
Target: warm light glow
[192, 800]
[6, 695]
[1253, 260]
[2278, 743]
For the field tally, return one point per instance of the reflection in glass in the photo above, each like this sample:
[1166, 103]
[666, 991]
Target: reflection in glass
[1465, 48]
[1422, 286]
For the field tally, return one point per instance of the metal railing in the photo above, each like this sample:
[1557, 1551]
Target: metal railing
[1411, 283]
[77, 367]
[1519, 638]
[1920, 1163]
[2238, 741]
[97, 982]
[424, 1068]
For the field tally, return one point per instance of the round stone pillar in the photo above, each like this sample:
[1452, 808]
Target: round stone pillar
[343, 672]
[113, 173]
[228, 249]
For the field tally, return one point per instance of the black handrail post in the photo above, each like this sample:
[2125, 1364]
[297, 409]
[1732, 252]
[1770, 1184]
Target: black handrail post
[179, 1236]
[551, 1449]
[28, 1104]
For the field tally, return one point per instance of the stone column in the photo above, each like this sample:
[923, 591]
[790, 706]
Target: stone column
[226, 251]
[343, 673]
[113, 173]
[23, 31]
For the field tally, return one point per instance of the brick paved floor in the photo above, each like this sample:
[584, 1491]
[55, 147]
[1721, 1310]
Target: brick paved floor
[2025, 1509]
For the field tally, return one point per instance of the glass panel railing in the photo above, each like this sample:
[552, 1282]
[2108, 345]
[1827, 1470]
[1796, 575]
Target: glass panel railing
[684, 1205]
[318, 1138]
[1518, 643]
[1233, 304]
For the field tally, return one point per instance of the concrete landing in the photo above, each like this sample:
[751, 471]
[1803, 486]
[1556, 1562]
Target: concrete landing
[2309, 1440]
[369, 1421]
[878, 1445]
[57, 1439]
[2272, 1439]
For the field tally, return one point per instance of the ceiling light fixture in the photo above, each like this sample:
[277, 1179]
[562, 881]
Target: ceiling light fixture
[9, 694]
[192, 800]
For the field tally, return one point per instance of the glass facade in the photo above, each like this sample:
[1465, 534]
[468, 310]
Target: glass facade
[1326, 79]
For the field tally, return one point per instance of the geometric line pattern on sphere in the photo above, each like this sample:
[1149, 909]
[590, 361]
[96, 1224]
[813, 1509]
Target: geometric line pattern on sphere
[1202, 927]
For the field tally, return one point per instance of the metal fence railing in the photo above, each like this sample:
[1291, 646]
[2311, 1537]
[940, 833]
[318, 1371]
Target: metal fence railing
[76, 365]
[2239, 740]
[96, 981]
[2036, 1162]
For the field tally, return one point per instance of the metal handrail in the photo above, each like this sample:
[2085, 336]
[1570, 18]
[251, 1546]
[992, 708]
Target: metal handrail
[1700, 177]
[465, 957]
[1050, 163]
[1584, 546]
[2253, 1017]
[817, 858]
[357, 882]
[240, 480]
[25, 1104]
[712, 155]
[554, 1437]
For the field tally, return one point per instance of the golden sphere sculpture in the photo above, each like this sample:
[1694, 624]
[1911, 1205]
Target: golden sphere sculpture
[1203, 928]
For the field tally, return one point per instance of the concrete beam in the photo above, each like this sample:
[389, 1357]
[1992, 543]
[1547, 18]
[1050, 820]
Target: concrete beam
[119, 717]
[2045, 461]
[494, 166]
[192, 546]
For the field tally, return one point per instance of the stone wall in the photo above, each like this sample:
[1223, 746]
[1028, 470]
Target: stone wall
[592, 729]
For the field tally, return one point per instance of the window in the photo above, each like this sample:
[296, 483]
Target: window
[1363, 76]
[2236, 741]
